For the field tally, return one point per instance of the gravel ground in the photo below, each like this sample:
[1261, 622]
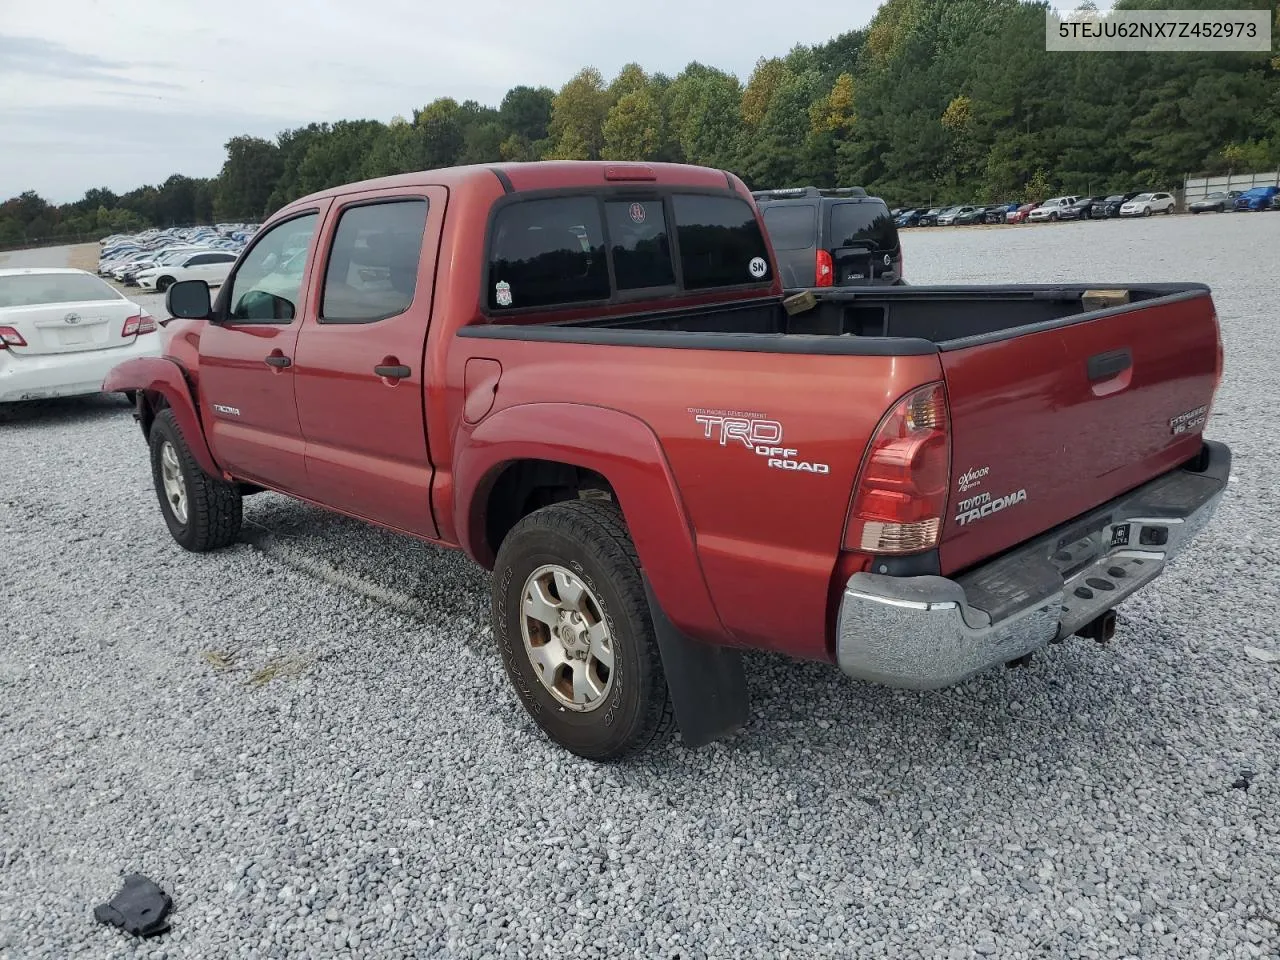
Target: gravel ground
[311, 772]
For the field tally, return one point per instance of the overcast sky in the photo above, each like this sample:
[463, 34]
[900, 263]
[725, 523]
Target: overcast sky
[118, 94]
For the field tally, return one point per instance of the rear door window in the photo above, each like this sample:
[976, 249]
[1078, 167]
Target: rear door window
[792, 226]
[547, 252]
[720, 242]
[373, 264]
[863, 224]
[639, 244]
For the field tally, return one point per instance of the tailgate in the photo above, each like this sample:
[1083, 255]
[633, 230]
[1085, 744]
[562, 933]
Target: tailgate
[1051, 423]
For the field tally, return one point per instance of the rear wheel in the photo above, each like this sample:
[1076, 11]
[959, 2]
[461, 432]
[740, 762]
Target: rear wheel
[575, 633]
[202, 512]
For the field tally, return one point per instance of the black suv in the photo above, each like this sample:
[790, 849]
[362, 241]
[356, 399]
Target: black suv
[831, 238]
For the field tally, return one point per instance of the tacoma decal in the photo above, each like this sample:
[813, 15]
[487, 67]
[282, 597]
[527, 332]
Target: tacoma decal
[984, 505]
[229, 411]
[757, 433]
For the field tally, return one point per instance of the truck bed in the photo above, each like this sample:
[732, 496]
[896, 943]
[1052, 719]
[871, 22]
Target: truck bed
[939, 317]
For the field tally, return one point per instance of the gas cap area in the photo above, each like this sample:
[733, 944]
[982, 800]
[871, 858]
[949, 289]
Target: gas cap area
[479, 387]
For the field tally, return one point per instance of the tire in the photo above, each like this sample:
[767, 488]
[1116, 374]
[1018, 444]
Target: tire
[1053, 217]
[1146, 211]
[627, 707]
[208, 515]
[163, 284]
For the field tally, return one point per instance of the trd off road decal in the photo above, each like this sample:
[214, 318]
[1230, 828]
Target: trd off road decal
[757, 433]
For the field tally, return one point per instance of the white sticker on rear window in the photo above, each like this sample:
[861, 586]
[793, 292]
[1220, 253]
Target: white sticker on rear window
[758, 267]
[503, 291]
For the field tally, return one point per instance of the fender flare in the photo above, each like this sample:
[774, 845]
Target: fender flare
[165, 377]
[625, 451]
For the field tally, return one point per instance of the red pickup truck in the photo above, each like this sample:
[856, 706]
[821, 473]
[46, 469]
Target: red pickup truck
[589, 378]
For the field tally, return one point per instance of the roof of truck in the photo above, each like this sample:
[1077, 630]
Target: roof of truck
[548, 175]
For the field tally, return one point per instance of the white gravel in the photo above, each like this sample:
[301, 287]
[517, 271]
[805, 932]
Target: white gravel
[314, 774]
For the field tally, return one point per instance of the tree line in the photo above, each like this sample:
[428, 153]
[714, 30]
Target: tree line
[934, 101]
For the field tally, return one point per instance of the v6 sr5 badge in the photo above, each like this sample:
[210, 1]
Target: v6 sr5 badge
[756, 433]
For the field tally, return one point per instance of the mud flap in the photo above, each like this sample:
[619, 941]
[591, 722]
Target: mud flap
[708, 684]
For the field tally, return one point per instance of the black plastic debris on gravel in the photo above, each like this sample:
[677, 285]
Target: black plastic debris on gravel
[140, 908]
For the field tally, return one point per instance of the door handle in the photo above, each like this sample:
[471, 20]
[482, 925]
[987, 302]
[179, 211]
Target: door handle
[278, 360]
[1104, 366]
[392, 372]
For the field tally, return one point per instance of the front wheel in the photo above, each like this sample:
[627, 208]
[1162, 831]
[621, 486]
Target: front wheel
[163, 284]
[575, 632]
[202, 512]
[1146, 211]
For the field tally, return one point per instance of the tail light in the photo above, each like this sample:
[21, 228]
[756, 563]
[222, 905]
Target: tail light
[901, 494]
[1219, 360]
[10, 337]
[825, 269]
[141, 323]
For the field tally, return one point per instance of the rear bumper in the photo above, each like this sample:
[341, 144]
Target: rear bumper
[67, 374]
[929, 632]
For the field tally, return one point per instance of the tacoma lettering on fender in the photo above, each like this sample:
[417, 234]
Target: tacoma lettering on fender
[589, 378]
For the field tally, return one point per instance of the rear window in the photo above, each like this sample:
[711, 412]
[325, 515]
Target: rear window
[864, 224]
[792, 226]
[35, 289]
[547, 252]
[720, 242]
[639, 244]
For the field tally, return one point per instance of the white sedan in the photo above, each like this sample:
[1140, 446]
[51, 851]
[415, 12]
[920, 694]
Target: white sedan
[1145, 204]
[62, 331]
[211, 266]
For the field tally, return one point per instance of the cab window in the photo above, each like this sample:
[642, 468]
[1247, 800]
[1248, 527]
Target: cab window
[639, 245]
[268, 284]
[547, 252]
[372, 272]
[720, 242]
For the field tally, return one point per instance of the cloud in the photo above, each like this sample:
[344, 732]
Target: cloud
[160, 85]
[33, 58]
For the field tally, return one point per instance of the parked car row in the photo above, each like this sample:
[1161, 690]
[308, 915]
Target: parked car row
[156, 259]
[1072, 207]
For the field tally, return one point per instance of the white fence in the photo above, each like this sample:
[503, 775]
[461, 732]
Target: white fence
[1198, 187]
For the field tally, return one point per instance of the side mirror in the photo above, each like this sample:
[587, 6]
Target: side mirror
[188, 300]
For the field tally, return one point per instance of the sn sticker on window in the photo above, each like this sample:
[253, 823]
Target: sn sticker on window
[758, 267]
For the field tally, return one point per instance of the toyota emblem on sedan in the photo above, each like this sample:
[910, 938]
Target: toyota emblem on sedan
[887, 259]
[72, 318]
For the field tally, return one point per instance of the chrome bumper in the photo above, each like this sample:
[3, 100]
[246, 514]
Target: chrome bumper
[929, 632]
